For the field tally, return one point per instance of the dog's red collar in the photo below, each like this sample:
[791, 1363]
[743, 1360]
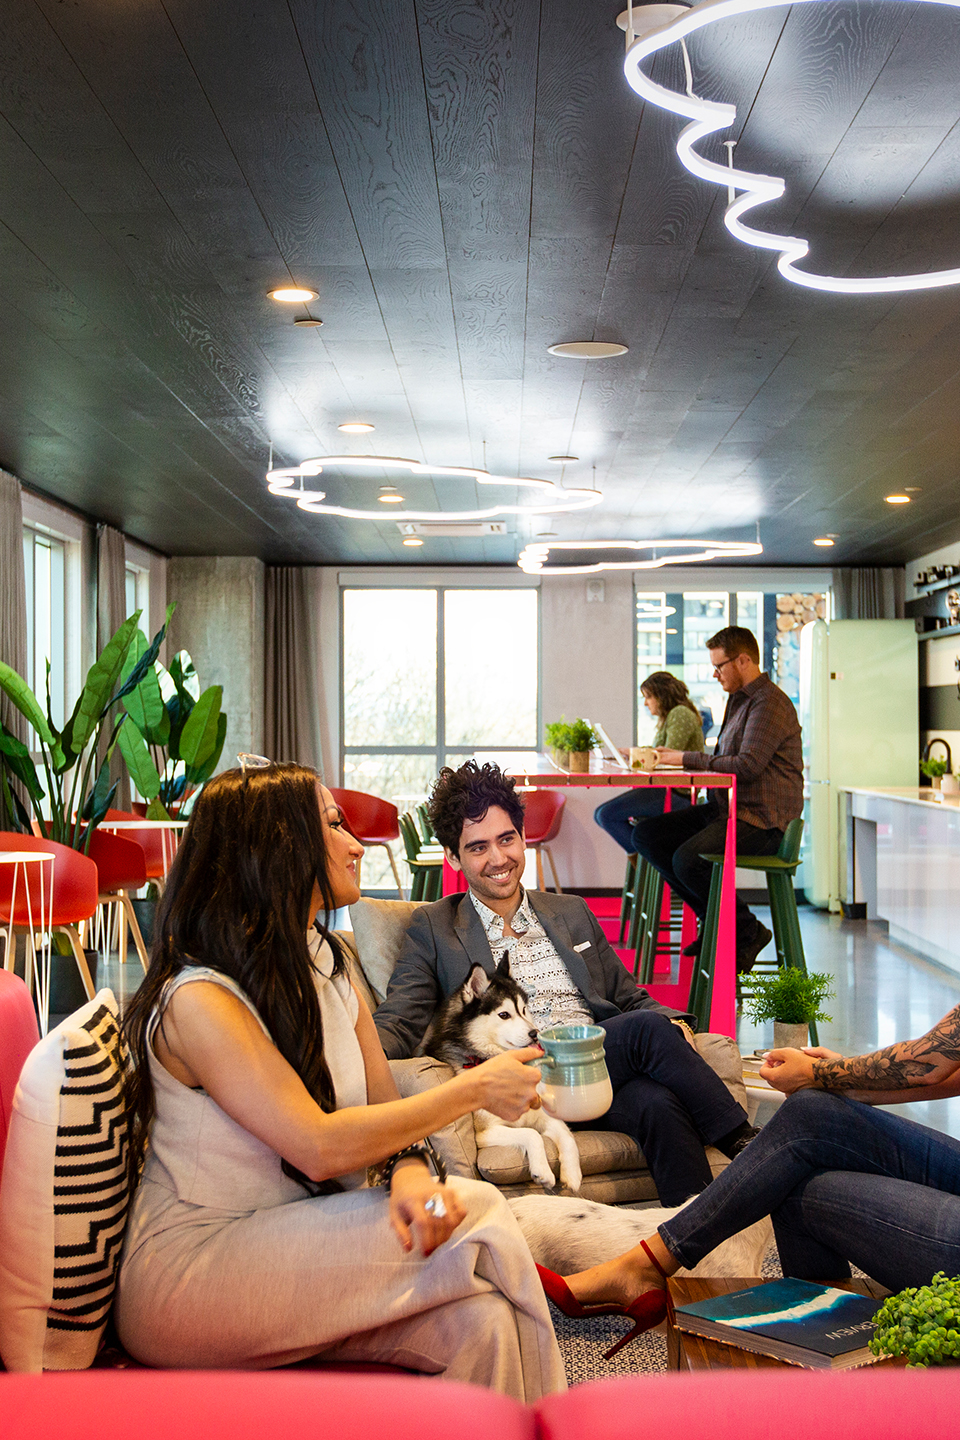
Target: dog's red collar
[471, 1062]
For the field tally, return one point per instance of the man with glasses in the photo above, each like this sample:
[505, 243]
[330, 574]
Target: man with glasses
[759, 742]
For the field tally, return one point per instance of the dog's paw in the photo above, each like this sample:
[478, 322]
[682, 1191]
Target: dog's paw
[572, 1178]
[543, 1176]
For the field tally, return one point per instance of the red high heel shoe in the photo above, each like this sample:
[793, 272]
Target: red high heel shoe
[557, 1290]
[649, 1309]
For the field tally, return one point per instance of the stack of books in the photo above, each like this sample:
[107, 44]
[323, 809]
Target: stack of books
[790, 1320]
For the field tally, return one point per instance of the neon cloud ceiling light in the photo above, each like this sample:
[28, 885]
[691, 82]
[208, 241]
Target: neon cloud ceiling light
[551, 498]
[533, 558]
[665, 25]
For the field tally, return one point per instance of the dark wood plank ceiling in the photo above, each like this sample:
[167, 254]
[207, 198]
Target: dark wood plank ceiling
[466, 182]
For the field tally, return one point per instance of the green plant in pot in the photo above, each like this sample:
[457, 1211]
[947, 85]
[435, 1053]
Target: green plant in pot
[71, 791]
[792, 1000]
[934, 769]
[556, 739]
[581, 739]
[176, 738]
[921, 1322]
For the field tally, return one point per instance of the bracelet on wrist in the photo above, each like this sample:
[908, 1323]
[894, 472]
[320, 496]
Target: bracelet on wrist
[423, 1151]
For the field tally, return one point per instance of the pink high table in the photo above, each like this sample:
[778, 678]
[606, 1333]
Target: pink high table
[533, 771]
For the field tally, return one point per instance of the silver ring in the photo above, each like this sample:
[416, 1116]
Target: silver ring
[435, 1207]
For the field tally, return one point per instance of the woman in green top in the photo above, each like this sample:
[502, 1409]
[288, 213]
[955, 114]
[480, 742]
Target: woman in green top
[678, 728]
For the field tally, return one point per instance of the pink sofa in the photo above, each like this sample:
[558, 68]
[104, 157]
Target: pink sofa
[727, 1405]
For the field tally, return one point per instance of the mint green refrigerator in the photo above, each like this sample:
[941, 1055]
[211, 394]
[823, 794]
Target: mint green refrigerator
[859, 712]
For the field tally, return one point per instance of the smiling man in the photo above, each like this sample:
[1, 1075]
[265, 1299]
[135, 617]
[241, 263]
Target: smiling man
[759, 743]
[665, 1095]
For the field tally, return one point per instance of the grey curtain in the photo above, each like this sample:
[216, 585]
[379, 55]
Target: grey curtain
[13, 607]
[111, 613]
[291, 682]
[875, 593]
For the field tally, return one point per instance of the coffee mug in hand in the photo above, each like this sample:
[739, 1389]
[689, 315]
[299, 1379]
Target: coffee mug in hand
[643, 757]
[576, 1085]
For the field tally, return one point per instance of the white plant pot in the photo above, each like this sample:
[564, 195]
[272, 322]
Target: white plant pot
[794, 1037]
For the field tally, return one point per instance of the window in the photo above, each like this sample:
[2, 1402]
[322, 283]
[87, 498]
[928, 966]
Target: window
[137, 584]
[44, 568]
[428, 677]
[672, 630]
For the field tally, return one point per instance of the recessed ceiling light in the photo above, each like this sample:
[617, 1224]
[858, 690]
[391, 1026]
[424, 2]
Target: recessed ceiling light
[390, 495]
[587, 349]
[897, 499]
[292, 294]
[911, 489]
[563, 459]
[412, 540]
[823, 540]
[355, 427]
[307, 322]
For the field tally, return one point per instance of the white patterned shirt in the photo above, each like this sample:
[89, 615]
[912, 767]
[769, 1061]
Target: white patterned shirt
[535, 965]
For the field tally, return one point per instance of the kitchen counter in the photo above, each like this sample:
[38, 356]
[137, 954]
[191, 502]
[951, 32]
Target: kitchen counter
[903, 865]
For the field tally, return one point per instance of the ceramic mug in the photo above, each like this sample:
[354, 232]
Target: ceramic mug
[576, 1085]
[643, 757]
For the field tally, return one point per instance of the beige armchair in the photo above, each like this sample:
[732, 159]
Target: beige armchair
[614, 1169]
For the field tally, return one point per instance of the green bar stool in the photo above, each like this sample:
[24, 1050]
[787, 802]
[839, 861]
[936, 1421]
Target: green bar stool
[779, 870]
[626, 895]
[426, 868]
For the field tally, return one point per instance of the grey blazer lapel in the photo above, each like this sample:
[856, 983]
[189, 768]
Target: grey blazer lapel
[559, 932]
[468, 928]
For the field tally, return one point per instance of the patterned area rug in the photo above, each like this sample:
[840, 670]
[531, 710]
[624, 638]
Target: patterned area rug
[583, 1342]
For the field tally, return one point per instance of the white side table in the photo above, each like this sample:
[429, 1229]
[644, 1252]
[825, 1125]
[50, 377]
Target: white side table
[39, 913]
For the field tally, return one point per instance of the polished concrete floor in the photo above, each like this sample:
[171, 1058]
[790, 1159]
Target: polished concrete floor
[884, 992]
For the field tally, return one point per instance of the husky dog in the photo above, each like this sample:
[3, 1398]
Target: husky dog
[485, 1017]
[571, 1235]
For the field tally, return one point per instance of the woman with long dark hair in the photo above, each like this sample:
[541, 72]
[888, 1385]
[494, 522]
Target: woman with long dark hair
[679, 727]
[260, 1096]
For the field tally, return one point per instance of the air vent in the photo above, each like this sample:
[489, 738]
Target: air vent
[456, 529]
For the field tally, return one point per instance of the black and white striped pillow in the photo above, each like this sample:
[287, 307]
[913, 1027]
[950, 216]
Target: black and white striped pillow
[64, 1194]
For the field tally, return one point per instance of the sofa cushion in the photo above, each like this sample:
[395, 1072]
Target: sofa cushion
[379, 927]
[64, 1194]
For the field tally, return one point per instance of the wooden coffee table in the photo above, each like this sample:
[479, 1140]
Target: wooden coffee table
[693, 1352]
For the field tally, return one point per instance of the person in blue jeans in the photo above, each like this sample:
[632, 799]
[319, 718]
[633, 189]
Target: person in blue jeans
[679, 725]
[844, 1182]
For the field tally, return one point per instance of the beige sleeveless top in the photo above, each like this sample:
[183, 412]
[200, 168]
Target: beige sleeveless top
[206, 1158]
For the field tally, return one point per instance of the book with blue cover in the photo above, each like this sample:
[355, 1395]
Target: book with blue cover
[791, 1320]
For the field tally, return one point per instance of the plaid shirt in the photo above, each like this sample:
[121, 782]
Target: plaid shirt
[760, 744]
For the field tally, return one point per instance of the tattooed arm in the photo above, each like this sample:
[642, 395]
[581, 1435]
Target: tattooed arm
[926, 1069]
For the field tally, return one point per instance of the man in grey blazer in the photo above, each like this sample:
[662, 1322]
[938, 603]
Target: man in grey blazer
[665, 1094]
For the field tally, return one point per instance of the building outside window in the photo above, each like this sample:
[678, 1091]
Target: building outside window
[44, 561]
[672, 630]
[429, 676]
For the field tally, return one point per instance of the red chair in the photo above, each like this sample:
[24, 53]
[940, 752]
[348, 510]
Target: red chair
[156, 844]
[121, 867]
[18, 1035]
[75, 892]
[542, 815]
[372, 821]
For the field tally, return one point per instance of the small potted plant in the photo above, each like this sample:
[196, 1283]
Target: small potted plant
[580, 739]
[934, 770]
[556, 737]
[921, 1322]
[791, 1000]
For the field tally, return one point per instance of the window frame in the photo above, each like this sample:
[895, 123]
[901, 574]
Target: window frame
[442, 753]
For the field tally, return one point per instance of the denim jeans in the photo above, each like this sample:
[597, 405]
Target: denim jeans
[674, 844]
[844, 1183]
[619, 815]
[667, 1097]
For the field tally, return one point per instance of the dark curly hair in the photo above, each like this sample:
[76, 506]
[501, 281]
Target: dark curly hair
[467, 794]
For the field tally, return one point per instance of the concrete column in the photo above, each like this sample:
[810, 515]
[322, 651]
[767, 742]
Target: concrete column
[219, 618]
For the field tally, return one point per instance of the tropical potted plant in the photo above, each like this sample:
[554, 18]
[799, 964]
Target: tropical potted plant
[580, 739]
[75, 789]
[791, 999]
[176, 739]
[921, 1322]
